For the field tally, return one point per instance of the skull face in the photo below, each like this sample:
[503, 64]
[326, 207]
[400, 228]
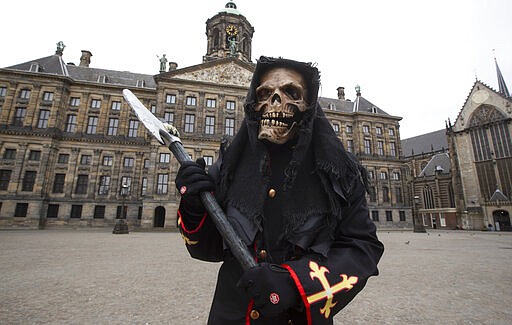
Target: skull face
[281, 100]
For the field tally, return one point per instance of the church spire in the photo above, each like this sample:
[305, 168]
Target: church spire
[501, 82]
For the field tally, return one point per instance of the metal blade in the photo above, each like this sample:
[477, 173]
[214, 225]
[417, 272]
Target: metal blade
[150, 121]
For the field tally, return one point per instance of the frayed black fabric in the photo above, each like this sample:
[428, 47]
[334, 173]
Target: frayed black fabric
[317, 158]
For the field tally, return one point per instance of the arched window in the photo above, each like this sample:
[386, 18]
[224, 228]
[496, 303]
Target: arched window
[428, 198]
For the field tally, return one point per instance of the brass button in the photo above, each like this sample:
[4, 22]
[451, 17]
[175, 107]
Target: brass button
[263, 254]
[271, 193]
[254, 314]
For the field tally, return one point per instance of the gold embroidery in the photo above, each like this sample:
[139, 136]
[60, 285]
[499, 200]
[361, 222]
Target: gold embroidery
[328, 293]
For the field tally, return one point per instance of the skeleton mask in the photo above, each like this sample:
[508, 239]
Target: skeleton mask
[281, 100]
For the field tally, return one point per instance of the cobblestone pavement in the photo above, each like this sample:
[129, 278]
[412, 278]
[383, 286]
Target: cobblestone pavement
[95, 277]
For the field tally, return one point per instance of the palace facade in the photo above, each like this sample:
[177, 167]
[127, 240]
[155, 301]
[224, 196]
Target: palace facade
[73, 154]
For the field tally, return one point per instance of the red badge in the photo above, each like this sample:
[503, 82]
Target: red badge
[274, 298]
[183, 189]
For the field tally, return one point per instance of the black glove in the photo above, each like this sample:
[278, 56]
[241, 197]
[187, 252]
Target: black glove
[191, 180]
[272, 289]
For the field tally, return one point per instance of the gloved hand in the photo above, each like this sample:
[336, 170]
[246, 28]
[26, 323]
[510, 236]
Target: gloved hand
[190, 181]
[272, 289]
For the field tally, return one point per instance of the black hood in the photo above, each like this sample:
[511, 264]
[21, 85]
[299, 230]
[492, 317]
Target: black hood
[308, 71]
[315, 143]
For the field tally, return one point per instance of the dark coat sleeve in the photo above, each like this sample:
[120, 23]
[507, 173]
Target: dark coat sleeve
[327, 284]
[201, 237]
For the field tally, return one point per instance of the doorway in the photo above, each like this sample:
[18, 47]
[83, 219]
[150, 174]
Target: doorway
[502, 220]
[159, 219]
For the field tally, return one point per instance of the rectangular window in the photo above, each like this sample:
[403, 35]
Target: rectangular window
[191, 101]
[63, 158]
[189, 123]
[208, 160]
[108, 160]
[378, 130]
[113, 124]
[209, 125]
[395, 176]
[10, 153]
[126, 185]
[165, 158]
[71, 123]
[96, 103]
[170, 99]
[211, 103]
[5, 178]
[58, 183]
[163, 180]
[230, 126]
[398, 195]
[389, 215]
[350, 145]
[85, 159]
[146, 163]
[402, 215]
[53, 211]
[375, 216]
[99, 212]
[348, 128]
[367, 147]
[92, 124]
[373, 194]
[81, 184]
[152, 108]
[28, 181]
[391, 131]
[133, 128]
[230, 104]
[383, 175]
[19, 116]
[371, 174]
[3, 91]
[336, 128]
[380, 148]
[104, 185]
[24, 94]
[366, 129]
[76, 211]
[385, 194]
[74, 101]
[392, 149]
[128, 162]
[144, 186]
[34, 155]
[21, 210]
[116, 105]
[169, 117]
[47, 96]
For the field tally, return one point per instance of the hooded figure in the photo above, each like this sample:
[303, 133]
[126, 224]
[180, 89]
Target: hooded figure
[297, 200]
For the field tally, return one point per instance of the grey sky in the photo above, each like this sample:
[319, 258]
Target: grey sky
[414, 59]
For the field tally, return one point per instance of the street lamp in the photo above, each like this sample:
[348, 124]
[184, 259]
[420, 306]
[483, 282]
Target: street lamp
[121, 227]
[417, 225]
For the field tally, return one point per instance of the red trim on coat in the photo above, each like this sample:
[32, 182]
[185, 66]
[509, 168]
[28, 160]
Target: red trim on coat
[248, 313]
[194, 230]
[301, 292]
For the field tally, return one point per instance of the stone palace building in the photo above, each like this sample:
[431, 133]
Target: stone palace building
[73, 154]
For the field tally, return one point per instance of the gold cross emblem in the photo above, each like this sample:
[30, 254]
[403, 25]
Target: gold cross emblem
[185, 238]
[346, 283]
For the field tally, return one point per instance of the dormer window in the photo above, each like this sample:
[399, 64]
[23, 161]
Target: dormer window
[34, 67]
[141, 83]
[102, 79]
[374, 110]
[332, 107]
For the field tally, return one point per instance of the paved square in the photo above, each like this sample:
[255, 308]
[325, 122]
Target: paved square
[95, 277]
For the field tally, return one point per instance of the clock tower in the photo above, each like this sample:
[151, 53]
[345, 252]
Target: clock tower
[229, 34]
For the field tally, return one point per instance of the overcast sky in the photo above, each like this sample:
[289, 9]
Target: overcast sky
[413, 59]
